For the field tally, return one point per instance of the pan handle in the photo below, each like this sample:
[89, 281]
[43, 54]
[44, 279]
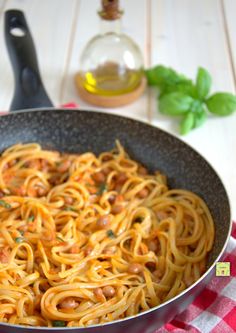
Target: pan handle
[29, 90]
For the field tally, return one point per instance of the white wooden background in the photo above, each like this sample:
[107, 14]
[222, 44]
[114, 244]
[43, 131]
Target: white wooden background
[183, 34]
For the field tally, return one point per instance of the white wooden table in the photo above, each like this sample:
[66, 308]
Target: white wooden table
[183, 34]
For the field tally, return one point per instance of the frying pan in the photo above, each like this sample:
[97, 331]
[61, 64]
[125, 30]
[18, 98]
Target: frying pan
[84, 130]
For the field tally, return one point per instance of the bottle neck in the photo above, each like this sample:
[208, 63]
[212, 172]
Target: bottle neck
[110, 26]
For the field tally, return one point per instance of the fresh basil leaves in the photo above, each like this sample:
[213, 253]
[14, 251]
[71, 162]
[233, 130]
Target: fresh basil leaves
[175, 104]
[180, 96]
[221, 104]
[203, 83]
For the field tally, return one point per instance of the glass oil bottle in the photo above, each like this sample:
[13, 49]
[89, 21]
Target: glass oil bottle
[111, 63]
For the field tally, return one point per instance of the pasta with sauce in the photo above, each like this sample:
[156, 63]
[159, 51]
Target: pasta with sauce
[88, 239]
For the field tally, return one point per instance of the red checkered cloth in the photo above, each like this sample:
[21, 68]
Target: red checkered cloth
[214, 310]
[70, 105]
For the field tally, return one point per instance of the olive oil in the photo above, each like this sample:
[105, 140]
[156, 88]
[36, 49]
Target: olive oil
[111, 80]
[111, 64]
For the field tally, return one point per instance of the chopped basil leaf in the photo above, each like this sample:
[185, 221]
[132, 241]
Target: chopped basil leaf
[70, 209]
[5, 204]
[21, 232]
[111, 234]
[30, 218]
[58, 323]
[19, 239]
[102, 189]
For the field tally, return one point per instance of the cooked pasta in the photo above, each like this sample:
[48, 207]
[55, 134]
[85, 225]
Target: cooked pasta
[88, 239]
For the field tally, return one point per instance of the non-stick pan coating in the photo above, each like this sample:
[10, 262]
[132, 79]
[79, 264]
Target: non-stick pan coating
[80, 131]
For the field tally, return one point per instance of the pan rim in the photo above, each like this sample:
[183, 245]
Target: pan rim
[209, 270]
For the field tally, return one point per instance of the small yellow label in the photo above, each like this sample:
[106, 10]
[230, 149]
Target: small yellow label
[223, 268]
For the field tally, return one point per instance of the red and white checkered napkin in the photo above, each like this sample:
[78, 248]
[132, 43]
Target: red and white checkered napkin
[214, 310]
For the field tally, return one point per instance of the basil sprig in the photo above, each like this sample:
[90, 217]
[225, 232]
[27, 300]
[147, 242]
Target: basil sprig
[5, 204]
[180, 96]
[58, 323]
[111, 234]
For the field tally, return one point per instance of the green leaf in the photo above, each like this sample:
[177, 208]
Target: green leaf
[203, 83]
[199, 118]
[102, 189]
[196, 106]
[221, 104]
[5, 204]
[186, 87]
[111, 234]
[187, 123]
[152, 80]
[19, 239]
[58, 323]
[161, 75]
[168, 80]
[157, 75]
[200, 115]
[31, 218]
[70, 209]
[175, 104]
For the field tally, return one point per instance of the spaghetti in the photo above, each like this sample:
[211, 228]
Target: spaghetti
[87, 240]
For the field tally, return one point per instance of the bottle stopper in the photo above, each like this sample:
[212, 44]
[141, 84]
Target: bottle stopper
[110, 10]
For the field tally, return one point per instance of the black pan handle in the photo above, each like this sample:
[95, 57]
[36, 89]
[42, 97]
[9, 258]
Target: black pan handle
[29, 90]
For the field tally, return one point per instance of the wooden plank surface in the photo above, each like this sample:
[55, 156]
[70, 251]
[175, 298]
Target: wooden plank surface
[229, 10]
[187, 34]
[51, 31]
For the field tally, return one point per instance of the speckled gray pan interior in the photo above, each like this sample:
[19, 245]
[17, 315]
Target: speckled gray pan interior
[80, 131]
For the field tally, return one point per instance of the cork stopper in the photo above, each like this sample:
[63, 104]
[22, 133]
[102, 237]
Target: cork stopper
[110, 10]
